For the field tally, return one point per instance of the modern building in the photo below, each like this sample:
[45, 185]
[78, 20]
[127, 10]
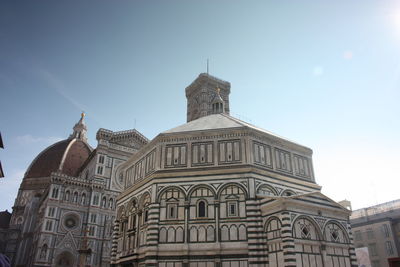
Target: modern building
[378, 229]
[65, 208]
[218, 191]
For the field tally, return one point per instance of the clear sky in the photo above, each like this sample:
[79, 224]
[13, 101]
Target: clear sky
[322, 73]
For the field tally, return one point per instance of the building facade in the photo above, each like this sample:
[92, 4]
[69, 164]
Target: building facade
[65, 208]
[218, 191]
[378, 229]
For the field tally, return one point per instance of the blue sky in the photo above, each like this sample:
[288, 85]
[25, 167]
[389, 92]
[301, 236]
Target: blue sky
[322, 73]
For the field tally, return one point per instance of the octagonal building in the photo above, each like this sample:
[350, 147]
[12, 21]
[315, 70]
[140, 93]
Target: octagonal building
[218, 191]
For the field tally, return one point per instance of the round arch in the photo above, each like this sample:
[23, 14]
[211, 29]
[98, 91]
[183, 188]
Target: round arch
[189, 194]
[143, 198]
[341, 227]
[270, 187]
[133, 202]
[318, 231]
[169, 188]
[271, 219]
[229, 184]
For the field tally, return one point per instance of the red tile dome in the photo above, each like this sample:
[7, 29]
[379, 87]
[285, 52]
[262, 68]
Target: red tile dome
[66, 156]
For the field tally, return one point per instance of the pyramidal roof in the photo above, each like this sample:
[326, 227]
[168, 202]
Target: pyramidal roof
[218, 122]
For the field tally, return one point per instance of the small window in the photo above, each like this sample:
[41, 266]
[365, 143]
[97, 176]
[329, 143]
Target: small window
[100, 170]
[43, 252]
[103, 202]
[389, 248]
[67, 196]
[109, 162]
[146, 216]
[101, 159]
[54, 193]
[92, 230]
[75, 197]
[232, 209]
[83, 199]
[385, 230]
[172, 211]
[201, 209]
[93, 218]
[111, 203]
[95, 200]
[51, 211]
[49, 226]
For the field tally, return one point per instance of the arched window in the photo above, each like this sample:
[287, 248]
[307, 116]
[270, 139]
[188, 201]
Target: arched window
[103, 202]
[75, 197]
[67, 195]
[111, 203]
[83, 199]
[43, 252]
[201, 209]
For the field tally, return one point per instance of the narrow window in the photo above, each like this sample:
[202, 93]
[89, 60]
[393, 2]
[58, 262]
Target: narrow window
[49, 226]
[93, 218]
[43, 251]
[67, 195]
[100, 170]
[76, 197]
[232, 209]
[385, 230]
[146, 215]
[83, 200]
[389, 248]
[201, 209]
[51, 211]
[91, 230]
[101, 159]
[55, 193]
[172, 210]
[103, 202]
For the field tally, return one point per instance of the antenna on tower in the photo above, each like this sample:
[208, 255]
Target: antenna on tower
[207, 65]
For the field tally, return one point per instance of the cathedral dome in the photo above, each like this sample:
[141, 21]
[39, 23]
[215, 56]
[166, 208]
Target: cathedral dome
[66, 156]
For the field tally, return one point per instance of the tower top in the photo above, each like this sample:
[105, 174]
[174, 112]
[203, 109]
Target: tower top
[201, 94]
[80, 129]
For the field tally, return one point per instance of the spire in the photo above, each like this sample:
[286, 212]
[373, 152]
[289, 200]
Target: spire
[218, 103]
[80, 129]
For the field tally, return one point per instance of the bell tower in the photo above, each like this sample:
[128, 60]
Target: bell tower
[205, 91]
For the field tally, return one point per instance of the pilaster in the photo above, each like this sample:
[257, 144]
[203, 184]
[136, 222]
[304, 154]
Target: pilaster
[289, 255]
